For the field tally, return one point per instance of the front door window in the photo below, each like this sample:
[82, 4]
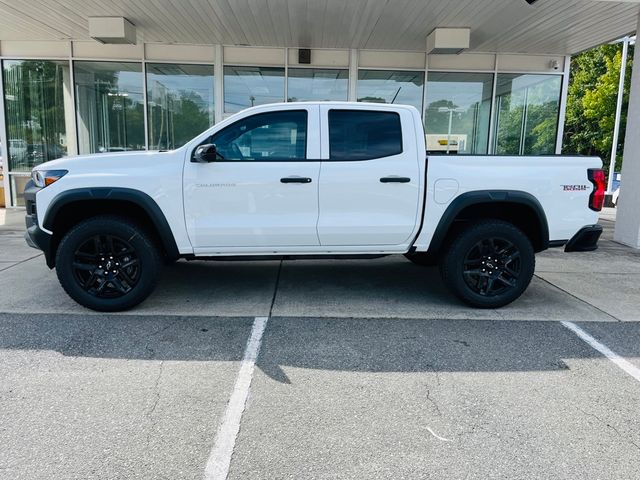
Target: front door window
[274, 136]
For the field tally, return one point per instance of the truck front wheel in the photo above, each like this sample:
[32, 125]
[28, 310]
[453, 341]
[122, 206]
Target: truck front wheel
[108, 263]
[489, 264]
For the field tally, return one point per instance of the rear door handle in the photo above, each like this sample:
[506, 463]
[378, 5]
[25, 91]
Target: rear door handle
[395, 179]
[295, 180]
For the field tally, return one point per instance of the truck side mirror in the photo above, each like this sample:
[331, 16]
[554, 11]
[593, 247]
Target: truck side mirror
[206, 153]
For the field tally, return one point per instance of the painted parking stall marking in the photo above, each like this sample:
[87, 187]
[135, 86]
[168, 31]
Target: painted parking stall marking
[220, 457]
[625, 365]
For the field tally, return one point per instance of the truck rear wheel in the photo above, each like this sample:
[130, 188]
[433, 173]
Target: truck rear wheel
[108, 263]
[489, 264]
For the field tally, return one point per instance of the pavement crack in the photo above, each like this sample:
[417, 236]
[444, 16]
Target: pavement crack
[20, 262]
[155, 333]
[156, 391]
[608, 425]
[433, 402]
[166, 327]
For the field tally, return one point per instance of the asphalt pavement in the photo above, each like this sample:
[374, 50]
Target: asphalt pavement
[364, 369]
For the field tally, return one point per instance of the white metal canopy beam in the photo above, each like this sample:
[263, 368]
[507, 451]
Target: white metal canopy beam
[501, 26]
[628, 216]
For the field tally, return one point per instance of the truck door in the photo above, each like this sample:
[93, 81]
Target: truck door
[263, 189]
[369, 177]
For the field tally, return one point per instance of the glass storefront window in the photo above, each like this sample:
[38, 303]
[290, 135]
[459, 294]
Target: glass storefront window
[109, 99]
[457, 113]
[311, 84]
[527, 113]
[35, 94]
[388, 86]
[180, 103]
[34, 97]
[245, 87]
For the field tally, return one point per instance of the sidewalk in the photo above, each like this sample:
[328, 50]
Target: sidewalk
[600, 285]
[608, 279]
[13, 248]
[11, 219]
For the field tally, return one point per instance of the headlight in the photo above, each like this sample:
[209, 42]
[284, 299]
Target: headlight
[44, 178]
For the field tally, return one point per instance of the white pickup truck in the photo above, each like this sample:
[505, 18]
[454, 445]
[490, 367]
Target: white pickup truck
[309, 180]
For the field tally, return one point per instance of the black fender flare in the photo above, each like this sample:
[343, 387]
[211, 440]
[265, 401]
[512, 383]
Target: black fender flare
[137, 197]
[475, 197]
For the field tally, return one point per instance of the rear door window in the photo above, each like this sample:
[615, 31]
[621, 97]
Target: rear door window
[363, 135]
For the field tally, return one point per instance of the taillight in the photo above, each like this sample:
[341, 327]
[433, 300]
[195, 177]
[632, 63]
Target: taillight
[596, 199]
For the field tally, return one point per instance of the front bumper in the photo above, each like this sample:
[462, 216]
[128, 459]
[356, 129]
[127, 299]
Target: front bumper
[586, 240]
[35, 236]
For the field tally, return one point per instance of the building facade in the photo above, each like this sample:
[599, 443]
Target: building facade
[67, 98]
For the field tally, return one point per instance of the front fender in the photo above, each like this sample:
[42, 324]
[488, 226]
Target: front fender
[137, 197]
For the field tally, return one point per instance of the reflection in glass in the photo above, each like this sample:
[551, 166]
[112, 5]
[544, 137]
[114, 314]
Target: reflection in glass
[34, 94]
[527, 113]
[245, 87]
[311, 84]
[109, 98]
[387, 86]
[457, 112]
[273, 136]
[179, 102]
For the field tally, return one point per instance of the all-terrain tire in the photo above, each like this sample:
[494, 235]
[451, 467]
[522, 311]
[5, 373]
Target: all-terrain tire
[108, 263]
[489, 264]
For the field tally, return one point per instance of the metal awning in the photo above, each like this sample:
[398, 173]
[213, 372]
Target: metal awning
[512, 26]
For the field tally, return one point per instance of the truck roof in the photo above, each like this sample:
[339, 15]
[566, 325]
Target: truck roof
[336, 104]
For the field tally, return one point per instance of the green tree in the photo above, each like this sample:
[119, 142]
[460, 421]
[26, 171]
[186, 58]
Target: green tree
[437, 122]
[591, 102]
[178, 118]
[372, 99]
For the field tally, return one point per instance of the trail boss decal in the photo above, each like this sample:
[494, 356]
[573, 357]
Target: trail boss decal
[575, 188]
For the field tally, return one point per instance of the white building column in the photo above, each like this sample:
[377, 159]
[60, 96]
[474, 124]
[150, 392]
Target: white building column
[628, 215]
[353, 75]
[68, 88]
[218, 82]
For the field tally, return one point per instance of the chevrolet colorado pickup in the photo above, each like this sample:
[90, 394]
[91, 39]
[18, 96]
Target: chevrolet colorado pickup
[315, 180]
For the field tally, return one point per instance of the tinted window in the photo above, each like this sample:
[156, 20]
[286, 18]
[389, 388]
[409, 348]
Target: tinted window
[363, 135]
[266, 136]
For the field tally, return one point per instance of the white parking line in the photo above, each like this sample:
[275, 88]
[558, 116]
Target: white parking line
[220, 457]
[606, 351]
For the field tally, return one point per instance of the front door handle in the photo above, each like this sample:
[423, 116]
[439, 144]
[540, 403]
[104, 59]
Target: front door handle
[295, 180]
[395, 179]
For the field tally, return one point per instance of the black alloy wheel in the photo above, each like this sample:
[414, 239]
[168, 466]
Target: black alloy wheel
[492, 266]
[108, 263]
[106, 266]
[489, 264]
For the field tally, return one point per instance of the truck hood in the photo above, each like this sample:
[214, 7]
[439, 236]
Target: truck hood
[107, 161]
